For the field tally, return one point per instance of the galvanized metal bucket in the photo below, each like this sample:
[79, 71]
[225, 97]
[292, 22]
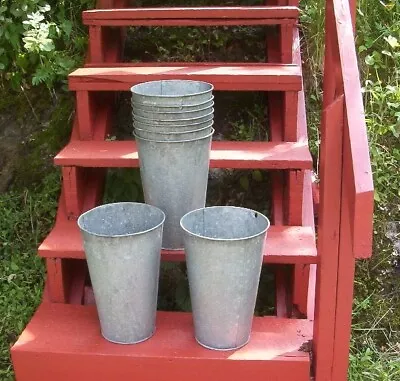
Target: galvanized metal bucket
[166, 109]
[171, 136]
[174, 177]
[173, 127]
[175, 122]
[177, 115]
[173, 93]
[224, 250]
[122, 243]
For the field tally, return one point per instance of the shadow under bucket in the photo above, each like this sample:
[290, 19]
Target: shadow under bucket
[122, 242]
[224, 252]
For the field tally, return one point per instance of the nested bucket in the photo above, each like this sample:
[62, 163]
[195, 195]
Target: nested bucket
[172, 93]
[224, 251]
[122, 242]
[167, 109]
[170, 136]
[174, 178]
[171, 115]
[176, 122]
[173, 127]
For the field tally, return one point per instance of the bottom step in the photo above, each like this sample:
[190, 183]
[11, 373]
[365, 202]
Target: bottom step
[63, 343]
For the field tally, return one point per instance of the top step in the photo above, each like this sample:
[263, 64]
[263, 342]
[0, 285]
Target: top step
[224, 76]
[188, 16]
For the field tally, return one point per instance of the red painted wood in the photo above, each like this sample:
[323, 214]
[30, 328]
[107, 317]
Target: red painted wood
[56, 280]
[228, 77]
[96, 47]
[63, 342]
[283, 296]
[285, 244]
[344, 299]
[191, 22]
[104, 17]
[328, 237]
[359, 181]
[84, 111]
[73, 179]
[224, 154]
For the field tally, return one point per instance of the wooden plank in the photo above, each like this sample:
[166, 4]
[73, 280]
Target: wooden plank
[63, 342]
[267, 77]
[224, 154]
[285, 244]
[191, 22]
[104, 16]
[359, 180]
[328, 237]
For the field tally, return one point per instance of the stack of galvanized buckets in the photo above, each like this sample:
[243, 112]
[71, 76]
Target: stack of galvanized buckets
[224, 245]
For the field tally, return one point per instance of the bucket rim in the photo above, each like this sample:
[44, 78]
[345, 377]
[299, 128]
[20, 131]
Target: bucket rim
[152, 105]
[175, 132]
[178, 111]
[172, 96]
[79, 221]
[138, 117]
[175, 141]
[225, 239]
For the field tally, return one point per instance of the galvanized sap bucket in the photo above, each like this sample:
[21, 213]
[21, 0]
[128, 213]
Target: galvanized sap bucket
[176, 122]
[122, 243]
[174, 177]
[224, 251]
[169, 136]
[173, 127]
[171, 93]
[170, 115]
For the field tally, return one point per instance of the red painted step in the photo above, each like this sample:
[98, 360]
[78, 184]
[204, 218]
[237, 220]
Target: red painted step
[285, 244]
[63, 343]
[224, 154]
[241, 76]
[263, 15]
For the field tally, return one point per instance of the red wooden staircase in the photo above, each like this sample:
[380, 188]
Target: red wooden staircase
[313, 287]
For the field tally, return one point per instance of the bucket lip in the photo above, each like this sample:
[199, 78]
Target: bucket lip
[225, 239]
[79, 221]
[172, 96]
[174, 112]
[135, 117]
[177, 132]
[175, 141]
[151, 105]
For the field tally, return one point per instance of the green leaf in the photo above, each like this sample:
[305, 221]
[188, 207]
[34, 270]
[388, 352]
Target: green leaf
[244, 182]
[392, 41]
[257, 175]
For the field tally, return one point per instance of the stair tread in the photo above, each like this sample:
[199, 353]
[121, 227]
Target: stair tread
[224, 154]
[65, 341]
[191, 15]
[229, 76]
[285, 244]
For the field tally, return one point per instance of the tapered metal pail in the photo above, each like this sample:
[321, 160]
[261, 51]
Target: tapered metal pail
[160, 115]
[122, 242]
[177, 122]
[224, 251]
[174, 177]
[175, 127]
[170, 136]
[172, 93]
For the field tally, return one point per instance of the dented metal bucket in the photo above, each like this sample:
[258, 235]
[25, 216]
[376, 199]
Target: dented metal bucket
[224, 248]
[122, 242]
[174, 177]
[171, 93]
[172, 109]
